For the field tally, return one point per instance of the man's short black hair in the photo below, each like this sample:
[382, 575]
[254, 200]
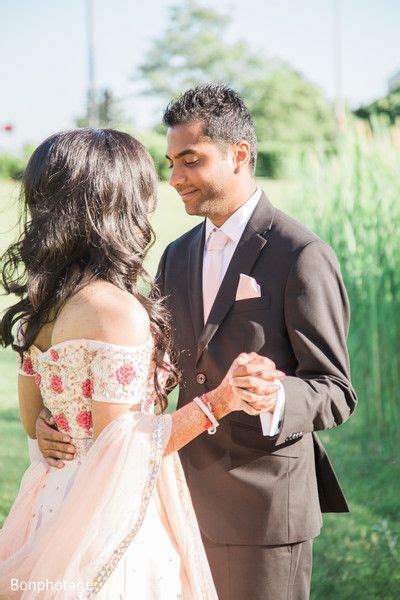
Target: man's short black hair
[224, 114]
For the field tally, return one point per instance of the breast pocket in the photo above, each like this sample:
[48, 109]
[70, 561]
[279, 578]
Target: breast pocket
[247, 325]
[252, 304]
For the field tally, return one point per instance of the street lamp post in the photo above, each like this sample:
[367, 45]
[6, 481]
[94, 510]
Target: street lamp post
[337, 57]
[91, 96]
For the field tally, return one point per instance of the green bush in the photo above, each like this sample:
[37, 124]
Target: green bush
[280, 160]
[156, 144]
[11, 167]
[269, 163]
[387, 107]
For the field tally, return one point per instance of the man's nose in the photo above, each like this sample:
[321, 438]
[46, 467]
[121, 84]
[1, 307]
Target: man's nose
[176, 177]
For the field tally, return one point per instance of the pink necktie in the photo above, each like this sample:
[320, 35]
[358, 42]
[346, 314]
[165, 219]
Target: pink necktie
[213, 269]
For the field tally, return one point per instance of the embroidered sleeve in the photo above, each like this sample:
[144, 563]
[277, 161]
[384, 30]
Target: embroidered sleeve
[120, 375]
[25, 365]
[150, 396]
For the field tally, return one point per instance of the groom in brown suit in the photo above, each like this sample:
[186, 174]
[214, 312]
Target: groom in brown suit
[271, 286]
[250, 278]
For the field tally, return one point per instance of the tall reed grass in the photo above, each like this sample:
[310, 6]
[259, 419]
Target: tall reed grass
[352, 200]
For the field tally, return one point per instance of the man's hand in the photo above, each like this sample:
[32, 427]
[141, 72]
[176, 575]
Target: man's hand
[54, 445]
[254, 378]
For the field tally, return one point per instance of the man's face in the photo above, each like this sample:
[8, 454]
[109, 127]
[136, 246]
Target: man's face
[201, 172]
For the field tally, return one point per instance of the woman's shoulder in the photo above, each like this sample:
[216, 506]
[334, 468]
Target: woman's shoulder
[102, 311]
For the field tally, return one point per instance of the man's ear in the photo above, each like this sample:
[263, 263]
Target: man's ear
[241, 155]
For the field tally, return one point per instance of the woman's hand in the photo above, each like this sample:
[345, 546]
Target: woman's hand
[250, 385]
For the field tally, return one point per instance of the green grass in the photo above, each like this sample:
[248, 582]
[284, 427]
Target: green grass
[357, 555]
[13, 445]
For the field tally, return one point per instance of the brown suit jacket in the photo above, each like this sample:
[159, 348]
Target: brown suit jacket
[247, 488]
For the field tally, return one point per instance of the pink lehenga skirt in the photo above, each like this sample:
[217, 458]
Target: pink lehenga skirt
[120, 525]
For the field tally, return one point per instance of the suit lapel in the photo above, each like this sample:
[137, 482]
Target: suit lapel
[253, 240]
[195, 284]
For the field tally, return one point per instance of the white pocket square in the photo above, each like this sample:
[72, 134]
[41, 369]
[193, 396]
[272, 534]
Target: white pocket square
[247, 288]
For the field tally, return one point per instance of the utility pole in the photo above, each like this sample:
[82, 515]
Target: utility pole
[338, 61]
[91, 96]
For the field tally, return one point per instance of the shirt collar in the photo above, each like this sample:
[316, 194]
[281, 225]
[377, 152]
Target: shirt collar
[235, 225]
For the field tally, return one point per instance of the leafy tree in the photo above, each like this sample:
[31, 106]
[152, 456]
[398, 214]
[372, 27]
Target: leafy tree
[387, 107]
[286, 108]
[289, 112]
[194, 50]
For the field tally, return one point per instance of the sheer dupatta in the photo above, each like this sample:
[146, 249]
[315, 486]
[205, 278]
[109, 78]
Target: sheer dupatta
[102, 514]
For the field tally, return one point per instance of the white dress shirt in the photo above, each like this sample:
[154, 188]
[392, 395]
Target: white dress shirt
[233, 228]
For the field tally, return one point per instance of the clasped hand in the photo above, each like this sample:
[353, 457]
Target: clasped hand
[253, 382]
[249, 386]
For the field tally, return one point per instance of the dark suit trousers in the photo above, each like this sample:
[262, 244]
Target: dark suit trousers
[261, 572]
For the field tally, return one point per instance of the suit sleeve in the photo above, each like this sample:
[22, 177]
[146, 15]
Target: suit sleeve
[317, 314]
[160, 275]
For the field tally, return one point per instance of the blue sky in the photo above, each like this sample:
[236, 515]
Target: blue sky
[43, 67]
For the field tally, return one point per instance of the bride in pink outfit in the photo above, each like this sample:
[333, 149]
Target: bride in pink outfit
[117, 521]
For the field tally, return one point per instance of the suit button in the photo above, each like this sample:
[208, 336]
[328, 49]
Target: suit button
[201, 378]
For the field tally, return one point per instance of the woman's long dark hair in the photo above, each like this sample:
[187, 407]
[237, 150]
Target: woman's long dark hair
[87, 194]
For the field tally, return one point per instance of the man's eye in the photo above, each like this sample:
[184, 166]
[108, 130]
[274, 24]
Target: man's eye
[192, 163]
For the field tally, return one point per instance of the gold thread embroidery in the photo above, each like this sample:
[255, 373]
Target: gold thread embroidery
[156, 453]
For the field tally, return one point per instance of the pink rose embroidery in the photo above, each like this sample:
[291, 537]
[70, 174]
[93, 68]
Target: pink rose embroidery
[56, 384]
[27, 367]
[38, 379]
[61, 422]
[87, 388]
[125, 374]
[54, 355]
[84, 420]
[149, 403]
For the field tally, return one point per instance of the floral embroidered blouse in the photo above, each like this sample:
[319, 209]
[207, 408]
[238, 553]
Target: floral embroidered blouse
[73, 373]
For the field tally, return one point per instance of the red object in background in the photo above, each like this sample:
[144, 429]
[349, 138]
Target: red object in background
[8, 127]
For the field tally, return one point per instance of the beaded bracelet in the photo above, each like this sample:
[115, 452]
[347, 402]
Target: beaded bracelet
[205, 406]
